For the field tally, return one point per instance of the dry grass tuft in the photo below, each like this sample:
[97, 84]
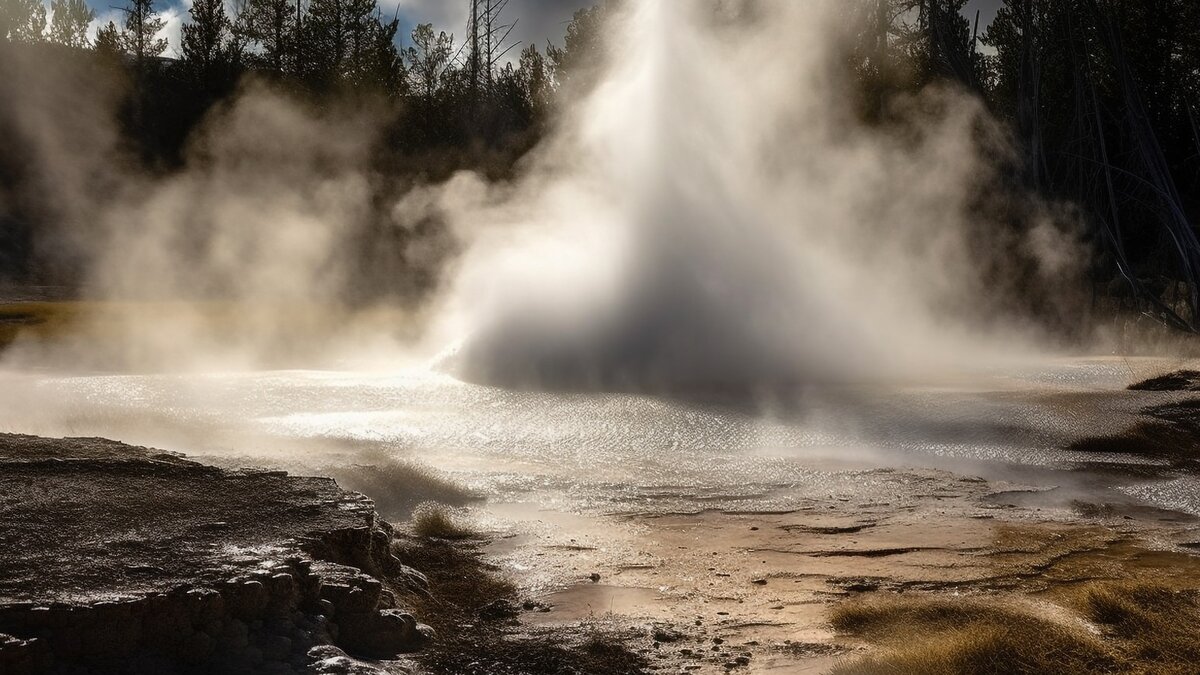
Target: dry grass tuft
[432, 520]
[1156, 628]
[1149, 439]
[397, 487]
[937, 636]
[1141, 628]
[1180, 380]
[1171, 432]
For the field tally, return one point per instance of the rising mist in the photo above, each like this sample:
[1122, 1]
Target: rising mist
[713, 212]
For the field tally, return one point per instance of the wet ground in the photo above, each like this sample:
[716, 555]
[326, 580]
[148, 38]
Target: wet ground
[732, 518]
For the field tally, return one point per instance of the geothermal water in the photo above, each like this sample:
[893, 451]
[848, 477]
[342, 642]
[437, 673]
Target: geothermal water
[606, 453]
[795, 298]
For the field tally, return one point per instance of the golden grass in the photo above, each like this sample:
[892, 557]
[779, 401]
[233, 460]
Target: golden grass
[939, 636]
[1125, 627]
[1155, 628]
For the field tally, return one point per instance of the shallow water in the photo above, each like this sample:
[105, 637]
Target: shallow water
[631, 453]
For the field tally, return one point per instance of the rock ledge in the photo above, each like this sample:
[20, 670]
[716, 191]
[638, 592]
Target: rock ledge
[119, 558]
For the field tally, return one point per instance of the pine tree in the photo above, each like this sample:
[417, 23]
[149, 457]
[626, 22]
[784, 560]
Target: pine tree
[70, 23]
[336, 31]
[108, 41]
[428, 59]
[578, 63]
[271, 25]
[208, 43]
[22, 20]
[374, 62]
[533, 78]
[142, 24]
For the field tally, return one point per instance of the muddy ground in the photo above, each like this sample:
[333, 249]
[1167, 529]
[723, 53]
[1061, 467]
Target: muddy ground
[622, 534]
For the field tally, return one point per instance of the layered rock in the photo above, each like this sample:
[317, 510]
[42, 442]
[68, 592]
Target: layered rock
[116, 558]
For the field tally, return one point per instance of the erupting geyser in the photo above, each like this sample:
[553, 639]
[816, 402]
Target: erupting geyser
[711, 216]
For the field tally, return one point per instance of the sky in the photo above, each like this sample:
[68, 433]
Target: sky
[987, 11]
[538, 21]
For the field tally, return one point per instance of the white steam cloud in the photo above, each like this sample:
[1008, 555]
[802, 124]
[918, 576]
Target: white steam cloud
[714, 216]
[710, 215]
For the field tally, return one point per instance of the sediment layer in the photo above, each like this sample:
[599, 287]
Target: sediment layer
[119, 558]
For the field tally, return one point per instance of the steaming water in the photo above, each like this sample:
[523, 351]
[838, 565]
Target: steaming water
[706, 219]
[623, 452]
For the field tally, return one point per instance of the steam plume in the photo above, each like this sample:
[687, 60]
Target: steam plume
[712, 216]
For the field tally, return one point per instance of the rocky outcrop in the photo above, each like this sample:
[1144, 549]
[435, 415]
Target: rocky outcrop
[123, 559]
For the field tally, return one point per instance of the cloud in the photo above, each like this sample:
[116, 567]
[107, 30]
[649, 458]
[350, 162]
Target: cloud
[537, 21]
[542, 20]
[101, 20]
[173, 30]
[174, 16]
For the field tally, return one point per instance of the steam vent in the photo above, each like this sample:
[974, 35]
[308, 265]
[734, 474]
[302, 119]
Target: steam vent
[116, 558]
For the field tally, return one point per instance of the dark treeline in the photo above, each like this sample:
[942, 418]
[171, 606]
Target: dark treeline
[454, 92]
[444, 103]
[1100, 97]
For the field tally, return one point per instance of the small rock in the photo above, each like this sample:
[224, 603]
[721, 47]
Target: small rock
[498, 609]
[666, 635]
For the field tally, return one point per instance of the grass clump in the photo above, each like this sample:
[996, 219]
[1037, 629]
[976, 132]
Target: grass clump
[1126, 628]
[1170, 432]
[432, 520]
[1180, 380]
[1148, 439]
[398, 487]
[1155, 627]
[934, 636]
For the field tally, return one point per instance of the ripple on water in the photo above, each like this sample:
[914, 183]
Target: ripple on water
[612, 451]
